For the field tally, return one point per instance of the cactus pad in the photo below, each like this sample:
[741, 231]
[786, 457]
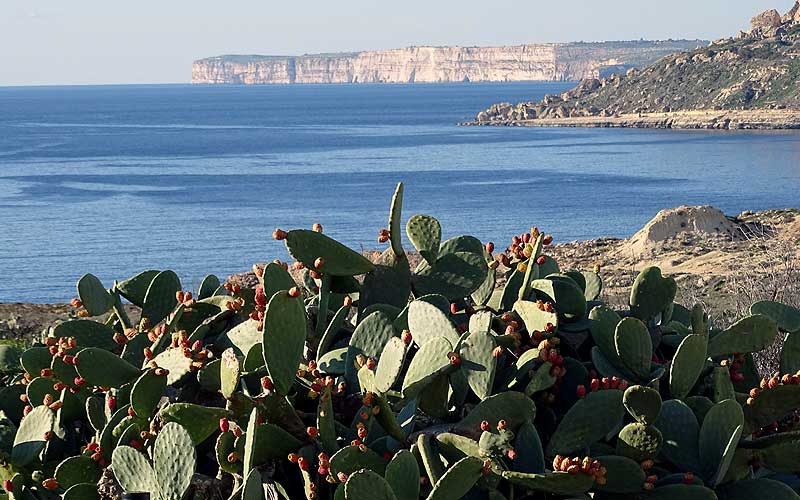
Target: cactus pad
[367, 485]
[687, 364]
[639, 442]
[284, 339]
[643, 403]
[306, 246]
[651, 294]
[587, 421]
[750, 334]
[94, 296]
[425, 233]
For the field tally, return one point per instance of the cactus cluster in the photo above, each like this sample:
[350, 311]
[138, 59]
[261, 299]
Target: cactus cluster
[372, 380]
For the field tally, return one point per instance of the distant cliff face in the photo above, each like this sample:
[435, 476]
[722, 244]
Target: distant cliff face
[542, 62]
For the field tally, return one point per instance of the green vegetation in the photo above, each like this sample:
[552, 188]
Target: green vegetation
[406, 384]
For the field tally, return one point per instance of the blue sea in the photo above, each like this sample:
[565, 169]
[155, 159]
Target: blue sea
[117, 179]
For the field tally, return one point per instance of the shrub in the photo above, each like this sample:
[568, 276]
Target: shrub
[404, 384]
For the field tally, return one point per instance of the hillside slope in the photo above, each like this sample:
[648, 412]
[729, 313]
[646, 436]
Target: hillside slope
[758, 70]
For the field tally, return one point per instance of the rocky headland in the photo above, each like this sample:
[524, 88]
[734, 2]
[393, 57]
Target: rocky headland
[530, 62]
[726, 262]
[750, 81]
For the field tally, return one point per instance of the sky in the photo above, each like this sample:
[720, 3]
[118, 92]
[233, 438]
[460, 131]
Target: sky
[49, 42]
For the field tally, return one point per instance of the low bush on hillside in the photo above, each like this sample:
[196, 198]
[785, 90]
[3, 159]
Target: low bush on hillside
[378, 381]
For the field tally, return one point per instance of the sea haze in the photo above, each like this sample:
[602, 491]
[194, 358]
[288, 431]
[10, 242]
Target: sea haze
[117, 179]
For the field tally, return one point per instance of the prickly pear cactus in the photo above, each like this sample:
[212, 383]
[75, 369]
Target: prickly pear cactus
[484, 373]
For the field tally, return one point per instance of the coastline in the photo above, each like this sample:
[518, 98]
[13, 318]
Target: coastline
[714, 258]
[762, 119]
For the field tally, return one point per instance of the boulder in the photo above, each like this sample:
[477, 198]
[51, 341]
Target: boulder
[682, 221]
[793, 15]
[766, 20]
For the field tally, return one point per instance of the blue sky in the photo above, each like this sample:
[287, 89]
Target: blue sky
[155, 41]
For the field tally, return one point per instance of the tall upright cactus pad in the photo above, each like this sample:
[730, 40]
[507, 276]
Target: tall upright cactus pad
[160, 298]
[147, 392]
[633, 346]
[425, 233]
[687, 364]
[719, 435]
[284, 339]
[651, 293]
[681, 432]
[307, 246]
[391, 364]
[479, 363]
[94, 296]
[402, 474]
[368, 340]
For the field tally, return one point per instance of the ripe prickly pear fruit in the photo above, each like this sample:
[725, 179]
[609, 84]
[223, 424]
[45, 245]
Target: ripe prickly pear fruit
[485, 426]
[317, 227]
[294, 292]
[279, 234]
[541, 260]
[580, 391]
[50, 484]
[406, 337]
[547, 239]
[489, 247]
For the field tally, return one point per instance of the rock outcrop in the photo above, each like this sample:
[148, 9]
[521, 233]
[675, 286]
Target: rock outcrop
[766, 20]
[543, 62]
[749, 81]
[705, 221]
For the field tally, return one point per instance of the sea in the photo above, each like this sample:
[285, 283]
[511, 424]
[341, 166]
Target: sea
[113, 180]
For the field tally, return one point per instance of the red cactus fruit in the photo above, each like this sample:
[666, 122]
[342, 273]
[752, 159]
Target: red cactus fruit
[580, 391]
[455, 359]
[224, 425]
[8, 486]
[312, 432]
[485, 426]
[502, 425]
[279, 234]
[50, 484]
[541, 260]
[294, 292]
[406, 337]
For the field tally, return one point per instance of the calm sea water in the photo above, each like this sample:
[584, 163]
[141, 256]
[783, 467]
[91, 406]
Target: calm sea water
[114, 180]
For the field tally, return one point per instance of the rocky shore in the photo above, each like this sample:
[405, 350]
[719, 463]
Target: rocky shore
[744, 82]
[722, 261]
[766, 119]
